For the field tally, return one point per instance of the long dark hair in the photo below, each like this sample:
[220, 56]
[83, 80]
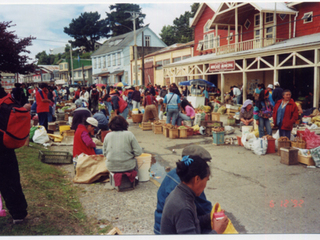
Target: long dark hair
[197, 167]
[185, 103]
[261, 99]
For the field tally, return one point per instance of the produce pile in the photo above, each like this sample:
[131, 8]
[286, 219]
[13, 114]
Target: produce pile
[283, 139]
[230, 117]
[158, 123]
[268, 137]
[169, 126]
[218, 129]
[316, 120]
[202, 109]
[182, 127]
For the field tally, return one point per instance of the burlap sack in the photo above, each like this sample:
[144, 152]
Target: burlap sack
[90, 168]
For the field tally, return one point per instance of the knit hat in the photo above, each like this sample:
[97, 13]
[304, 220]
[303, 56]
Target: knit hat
[92, 121]
[277, 84]
[196, 151]
[270, 86]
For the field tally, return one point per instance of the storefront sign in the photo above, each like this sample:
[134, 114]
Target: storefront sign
[229, 65]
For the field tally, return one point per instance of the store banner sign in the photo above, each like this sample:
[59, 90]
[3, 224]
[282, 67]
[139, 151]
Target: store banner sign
[220, 66]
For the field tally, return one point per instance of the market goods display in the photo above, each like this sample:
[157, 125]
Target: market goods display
[222, 110]
[268, 137]
[218, 129]
[316, 120]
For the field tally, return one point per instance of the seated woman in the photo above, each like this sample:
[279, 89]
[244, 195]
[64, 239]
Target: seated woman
[82, 142]
[179, 214]
[187, 112]
[120, 146]
[246, 114]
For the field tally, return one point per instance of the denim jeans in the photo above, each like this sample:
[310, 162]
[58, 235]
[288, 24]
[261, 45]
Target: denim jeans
[98, 151]
[284, 133]
[172, 113]
[238, 99]
[125, 112]
[130, 106]
[264, 122]
[182, 117]
[43, 119]
[135, 104]
[109, 106]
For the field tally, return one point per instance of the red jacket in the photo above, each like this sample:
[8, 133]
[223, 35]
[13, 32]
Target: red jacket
[42, 106]
[291, 114]
[78, 145]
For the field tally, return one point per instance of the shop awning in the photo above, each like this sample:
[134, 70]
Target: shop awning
[117, 73]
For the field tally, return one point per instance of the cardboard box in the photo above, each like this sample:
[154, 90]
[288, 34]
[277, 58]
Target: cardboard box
[289, 156]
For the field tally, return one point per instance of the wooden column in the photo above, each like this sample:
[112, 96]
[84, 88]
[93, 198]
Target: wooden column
[316, 80]
[274, 29]
[222, 88]
[236, 23]
[245, 80]
[228, 35]
[261, 29]
[216, 32]
[275, 70]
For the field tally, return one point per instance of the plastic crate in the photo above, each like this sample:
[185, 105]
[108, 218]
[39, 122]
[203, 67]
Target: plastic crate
[55, 157]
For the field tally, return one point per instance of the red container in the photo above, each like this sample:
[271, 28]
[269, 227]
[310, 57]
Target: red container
[239, 141]
[271, 146]
[189, 132]
[103, 134]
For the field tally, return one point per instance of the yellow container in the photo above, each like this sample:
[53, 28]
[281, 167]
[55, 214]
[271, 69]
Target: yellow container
[64, 128]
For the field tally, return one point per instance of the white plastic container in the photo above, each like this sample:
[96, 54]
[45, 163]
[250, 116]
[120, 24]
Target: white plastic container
[144, 164]
[246, 129]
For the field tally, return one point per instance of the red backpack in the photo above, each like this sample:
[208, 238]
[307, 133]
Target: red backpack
[14, 123]
[122, 104]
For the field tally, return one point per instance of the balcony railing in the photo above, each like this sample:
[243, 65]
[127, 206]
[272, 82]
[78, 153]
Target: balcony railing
[245, 45]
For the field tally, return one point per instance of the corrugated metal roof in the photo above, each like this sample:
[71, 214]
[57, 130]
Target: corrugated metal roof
[305, 41]
[173, 47]
[272, 6]
[126, 39]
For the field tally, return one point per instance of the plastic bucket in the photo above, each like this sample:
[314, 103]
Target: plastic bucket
[246, 129]
[144, 164]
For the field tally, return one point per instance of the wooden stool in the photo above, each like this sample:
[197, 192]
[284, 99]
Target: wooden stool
[125, 182]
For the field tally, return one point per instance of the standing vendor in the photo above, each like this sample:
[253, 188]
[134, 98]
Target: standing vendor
[150, 106]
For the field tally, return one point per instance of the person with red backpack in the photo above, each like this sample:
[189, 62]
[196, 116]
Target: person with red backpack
[119, 105]
[10, 186]
[43, 104]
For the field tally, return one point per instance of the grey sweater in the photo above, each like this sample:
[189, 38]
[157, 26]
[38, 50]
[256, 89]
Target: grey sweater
[120, 148]
[180, 215]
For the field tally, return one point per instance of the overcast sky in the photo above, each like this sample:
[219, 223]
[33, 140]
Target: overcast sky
[46, 21]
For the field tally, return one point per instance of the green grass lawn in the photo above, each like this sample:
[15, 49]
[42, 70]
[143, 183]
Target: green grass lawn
[53, 204]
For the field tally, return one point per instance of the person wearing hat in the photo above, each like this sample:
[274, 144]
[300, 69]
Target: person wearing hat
[179, 215]
[277, 93]
[270, 90]
[262, 111]
[80, 114]
[246, 114]
[82, 142]
[203, 206]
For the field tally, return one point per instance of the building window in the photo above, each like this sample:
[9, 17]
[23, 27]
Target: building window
[256, 34]
[119, 58]
[269, 18]
[109, 60]
[113, 59]
[166, 62]
[79, 74]
[257, 19]
[147, 41]
[185, 57]
[247, 24]
[211, 40]
[199, 47]
[206, 41]
[99, 62]
[218, 41]
[60, 67]
[177, 59]
[206, 26]
[231, 36]
[66, 66]
[282, 16]
[307, 17]
[104, 62]
[158, 65]
[269, 32]
[95, 63]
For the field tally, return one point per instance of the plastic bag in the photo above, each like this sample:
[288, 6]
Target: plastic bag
[315, 153]
[2, 211]
[228, 130]
[247, 144]
[202, 130]
[259, 146]
[197, 119]
[230, 228]
[40, 136]
[32, 130]
[276, 136]
[312, 140]
[160, 115]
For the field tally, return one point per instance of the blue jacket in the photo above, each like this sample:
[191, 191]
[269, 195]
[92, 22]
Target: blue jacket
[168, 184]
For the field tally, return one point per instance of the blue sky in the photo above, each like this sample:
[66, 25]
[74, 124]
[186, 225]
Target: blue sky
[46, 21]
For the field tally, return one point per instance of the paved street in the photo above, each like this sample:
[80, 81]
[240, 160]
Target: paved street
[258, 193]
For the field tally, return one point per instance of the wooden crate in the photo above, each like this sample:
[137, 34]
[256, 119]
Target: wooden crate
[289, 156]
[52, 126]
[307, 160]
[165, 131]
[157, 129]
[232, 111]
[215, 116]
[282, 144]
[183, 133]
[211, 124]
[146, 126]
[173, 133]
[68, 133]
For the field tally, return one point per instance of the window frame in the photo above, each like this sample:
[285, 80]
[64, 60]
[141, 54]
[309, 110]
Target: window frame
[119, 58]
[282, 16]
[165, 62]
[95, 63]
[255, 20]
[211, 41]
[147, 39]
[247, 21]
[266, 17]
[176, 59]
[206, 41]
[206, 27]
[266, 34]
[109, 60]
[305, 19]
[200, 45]
[99, 62]
[114, 62]
[104, 62]
[158, 65]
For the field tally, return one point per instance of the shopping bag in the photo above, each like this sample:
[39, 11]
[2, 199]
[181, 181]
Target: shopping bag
[32, 130]
[315, 153]
[230, 228]
[2, 211]
[259, 146]
[250, 138]
[276, 136]
[40, 135]
[160, 115]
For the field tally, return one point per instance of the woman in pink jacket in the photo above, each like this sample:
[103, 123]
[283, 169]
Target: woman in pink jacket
[187, 112]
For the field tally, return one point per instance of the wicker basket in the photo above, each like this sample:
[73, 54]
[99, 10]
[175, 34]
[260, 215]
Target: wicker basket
[55, 157]
[137, 118]
[299, 144]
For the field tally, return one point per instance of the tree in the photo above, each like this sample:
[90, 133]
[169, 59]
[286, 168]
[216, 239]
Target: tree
[12, 50]
[44, 59]
[119, 16]
[87, 29]
[180, 32]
